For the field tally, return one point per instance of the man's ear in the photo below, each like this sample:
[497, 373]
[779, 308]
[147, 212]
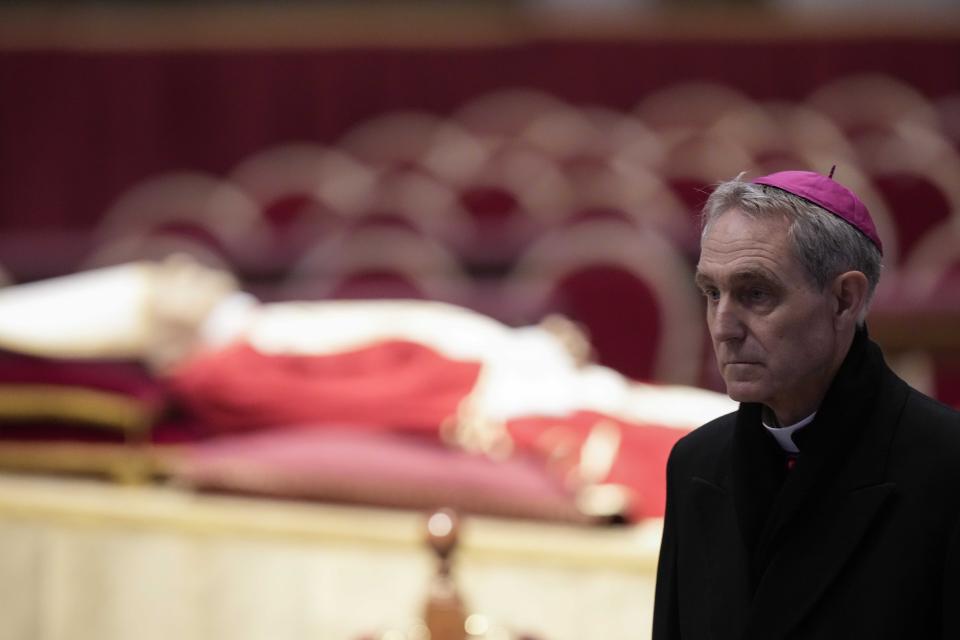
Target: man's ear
[850, 296]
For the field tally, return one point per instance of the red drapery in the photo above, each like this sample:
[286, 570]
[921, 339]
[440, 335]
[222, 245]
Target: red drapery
[79, 127]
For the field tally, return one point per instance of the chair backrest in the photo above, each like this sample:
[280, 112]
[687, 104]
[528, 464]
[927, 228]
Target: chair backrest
[914, 170]
[636, 194]
[507, 112]
[324, 175]
[629, 287]
[395, 139]
[508, 201]
[863, 104]
[689, 106]
[917, 204]
[304, 192]
[377, 262]
[931, 275]
[694, 162]
[192, 213]
[415, 199]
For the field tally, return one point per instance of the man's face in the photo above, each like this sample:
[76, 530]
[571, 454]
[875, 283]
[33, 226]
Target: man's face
[773, 332]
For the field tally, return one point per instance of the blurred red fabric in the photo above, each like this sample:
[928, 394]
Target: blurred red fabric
[639, 462]
[396, 385]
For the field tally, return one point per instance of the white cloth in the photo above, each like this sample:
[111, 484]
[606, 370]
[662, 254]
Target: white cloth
[784, 435]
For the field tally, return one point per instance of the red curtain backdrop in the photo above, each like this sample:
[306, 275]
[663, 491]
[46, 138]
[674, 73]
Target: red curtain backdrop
[78, 127]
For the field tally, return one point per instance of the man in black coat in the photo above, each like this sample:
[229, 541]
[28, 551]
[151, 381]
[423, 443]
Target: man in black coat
[828, 505]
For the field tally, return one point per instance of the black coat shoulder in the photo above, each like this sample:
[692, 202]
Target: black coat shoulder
[701, 446]
[937, 416]
[928, 437]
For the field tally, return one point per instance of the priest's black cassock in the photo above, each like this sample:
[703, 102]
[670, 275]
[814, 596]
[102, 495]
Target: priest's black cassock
[861, 539]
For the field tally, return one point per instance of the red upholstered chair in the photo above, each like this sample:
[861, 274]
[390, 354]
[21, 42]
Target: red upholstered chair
[948, 111]
[399, 139]
[632, 144]
[811, 135]
[304, 192]
[784, 136]
[629, 288]
[508, 201]
[917, 203]
[506, 113]
[932, 271]
[607, 189]
[571, 135]
[692, 164]
[914, 171]
[703, 157]
[689, 106]
[581, 147]
[414, 199]
[753, 128]
[927, 287]
[566, 134]
[497, 187]
[192, 213]
[691, 189]
[323, 174]
[864, 104]
[377, 262]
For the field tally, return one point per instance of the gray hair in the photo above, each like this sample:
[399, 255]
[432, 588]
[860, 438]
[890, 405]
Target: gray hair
[824, 243]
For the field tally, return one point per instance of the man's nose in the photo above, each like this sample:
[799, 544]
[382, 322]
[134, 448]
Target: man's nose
[726, 324]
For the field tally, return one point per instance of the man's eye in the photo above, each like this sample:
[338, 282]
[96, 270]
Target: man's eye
[757, 295]
[711, 294]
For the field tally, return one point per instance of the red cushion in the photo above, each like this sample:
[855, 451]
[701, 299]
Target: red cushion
[387, 469]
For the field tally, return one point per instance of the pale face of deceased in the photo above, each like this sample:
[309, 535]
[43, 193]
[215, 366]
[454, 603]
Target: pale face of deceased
[774, 333]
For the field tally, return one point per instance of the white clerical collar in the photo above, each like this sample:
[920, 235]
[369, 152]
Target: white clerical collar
[784, 435]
